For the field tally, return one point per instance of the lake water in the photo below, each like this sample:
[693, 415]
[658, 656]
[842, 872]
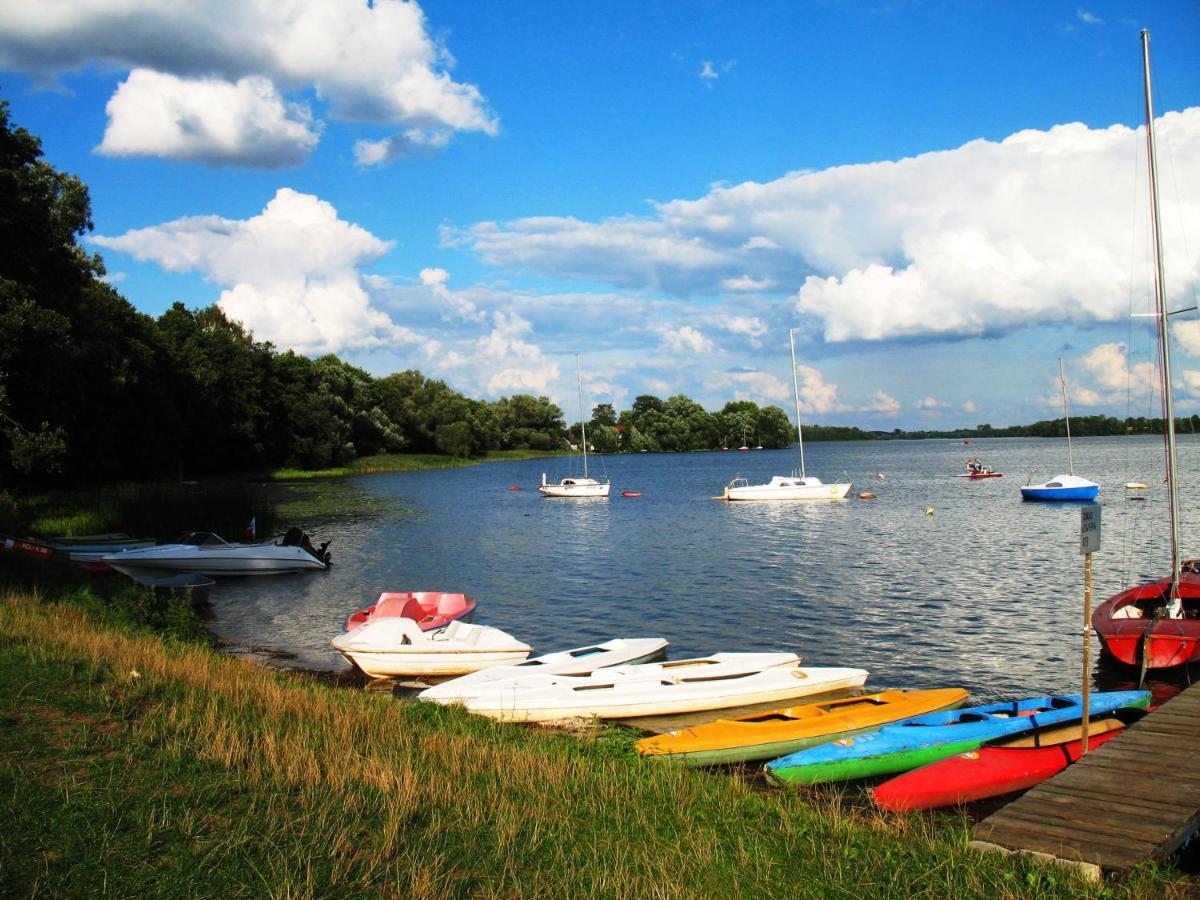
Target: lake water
[985, 593]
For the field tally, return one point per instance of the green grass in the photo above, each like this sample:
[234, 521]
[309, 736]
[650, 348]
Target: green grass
[143, 765]
[406, 462]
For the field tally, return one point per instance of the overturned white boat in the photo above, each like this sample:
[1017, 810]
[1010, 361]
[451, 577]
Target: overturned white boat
[580, 661]
[204, 553]
[390, 647]
[657, 689]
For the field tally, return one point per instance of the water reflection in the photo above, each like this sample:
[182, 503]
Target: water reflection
[985, 593]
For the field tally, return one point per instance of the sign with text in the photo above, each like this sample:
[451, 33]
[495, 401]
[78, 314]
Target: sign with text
[1089, 528]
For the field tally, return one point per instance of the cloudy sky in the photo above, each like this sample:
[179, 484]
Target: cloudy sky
[942, 198]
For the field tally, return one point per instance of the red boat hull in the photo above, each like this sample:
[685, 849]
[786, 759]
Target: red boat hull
[1129, 631]
[986, 772]
[976, 475]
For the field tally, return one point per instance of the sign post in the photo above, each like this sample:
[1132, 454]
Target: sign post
[1089, 543]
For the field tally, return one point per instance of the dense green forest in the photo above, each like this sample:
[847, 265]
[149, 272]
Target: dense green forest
[91, 390]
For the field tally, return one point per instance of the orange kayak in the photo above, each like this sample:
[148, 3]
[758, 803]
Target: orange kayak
[767, 735]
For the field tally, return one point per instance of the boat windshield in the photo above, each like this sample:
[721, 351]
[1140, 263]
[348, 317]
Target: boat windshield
[201, 539]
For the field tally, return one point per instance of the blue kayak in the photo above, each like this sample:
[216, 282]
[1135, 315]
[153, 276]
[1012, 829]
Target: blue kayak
[920, 740]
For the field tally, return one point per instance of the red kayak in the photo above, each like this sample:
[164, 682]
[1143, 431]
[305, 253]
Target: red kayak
[996, 769]
[975, 475]
[429, 609]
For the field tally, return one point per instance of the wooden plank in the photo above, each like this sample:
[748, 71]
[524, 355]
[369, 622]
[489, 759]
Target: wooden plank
[1117, 798]
[1066, 843]
[1163, 756]
[1082, 819]
[1130, 767]
[1118, 782]
[1101, 808]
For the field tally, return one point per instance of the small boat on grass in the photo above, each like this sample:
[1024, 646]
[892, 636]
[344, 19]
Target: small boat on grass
[205, 553]
[580, 661]
[659, 689]
[768, 735]
[391, 647]
[114, 542]
[429, 609]
[999, 767]
[924, 739]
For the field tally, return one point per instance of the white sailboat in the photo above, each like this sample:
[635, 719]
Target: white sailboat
[798, 485]
[572, 486]
[1063, 487]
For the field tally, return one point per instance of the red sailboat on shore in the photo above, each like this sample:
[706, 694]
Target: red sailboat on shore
[1157, 625]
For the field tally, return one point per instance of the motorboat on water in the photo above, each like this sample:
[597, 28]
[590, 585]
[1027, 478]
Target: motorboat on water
[719, 681]
[391, 647]
[429, 609]
[573, 486]
[798, 485]
[580, 661]
[204, 553]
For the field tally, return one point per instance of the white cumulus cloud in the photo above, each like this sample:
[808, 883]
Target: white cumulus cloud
[291, 274]
[207, 120]
[981, 240]
[367, 62]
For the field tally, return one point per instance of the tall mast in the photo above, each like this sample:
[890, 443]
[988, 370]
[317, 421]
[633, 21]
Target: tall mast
[1062, 379]
[1164, 341]
[582, 424]
[796, 397]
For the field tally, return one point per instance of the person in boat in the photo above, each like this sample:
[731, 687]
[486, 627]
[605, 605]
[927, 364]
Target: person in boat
[973, 466]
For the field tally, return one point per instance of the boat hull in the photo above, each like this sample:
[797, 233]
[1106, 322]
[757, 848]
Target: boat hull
[925, 739]
[990, 771]
[395, 664]
[787, 488]
[1131, 633]
[1059, 494]
[581, 661]
[659, 697]
[214, 566]
[770, 735]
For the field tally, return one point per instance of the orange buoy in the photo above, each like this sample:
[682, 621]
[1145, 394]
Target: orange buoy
[866, 495]
[514, 487]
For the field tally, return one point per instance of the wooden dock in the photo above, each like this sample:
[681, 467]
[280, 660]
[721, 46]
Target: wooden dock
[1136, 798]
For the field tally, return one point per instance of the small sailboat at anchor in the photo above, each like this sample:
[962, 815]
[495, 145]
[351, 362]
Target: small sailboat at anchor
[1063, 487]
[573, 486]
[798, 485]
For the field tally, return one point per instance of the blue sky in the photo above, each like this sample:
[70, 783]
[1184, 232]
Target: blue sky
[942, 198]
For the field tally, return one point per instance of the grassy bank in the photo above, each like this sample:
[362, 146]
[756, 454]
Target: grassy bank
[407, 462]
[142, 765]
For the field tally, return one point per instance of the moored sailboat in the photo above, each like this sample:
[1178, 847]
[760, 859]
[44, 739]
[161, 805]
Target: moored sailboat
[1156, 625]
[1063, 487]
[798, 485]
[574, 486]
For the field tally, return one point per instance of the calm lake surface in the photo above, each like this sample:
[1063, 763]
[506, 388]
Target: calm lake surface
[985, 593]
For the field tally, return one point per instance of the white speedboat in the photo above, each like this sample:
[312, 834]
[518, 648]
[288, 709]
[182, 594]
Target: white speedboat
[204, 553]
[390, 647]
[719, 681]
[579, 661]
[798, 485]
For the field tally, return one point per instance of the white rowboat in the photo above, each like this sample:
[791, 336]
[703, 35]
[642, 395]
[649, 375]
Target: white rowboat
[657, 689]
[579, 661]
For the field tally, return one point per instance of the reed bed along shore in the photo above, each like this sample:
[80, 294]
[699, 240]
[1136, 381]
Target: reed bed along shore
[137, 764]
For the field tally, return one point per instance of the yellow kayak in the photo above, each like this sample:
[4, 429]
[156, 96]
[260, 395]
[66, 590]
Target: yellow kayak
[767, 735]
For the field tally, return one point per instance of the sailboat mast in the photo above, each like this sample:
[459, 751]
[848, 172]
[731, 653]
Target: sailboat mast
[1062, 379]
[796, 397]
[582, 424]
[1160, 305]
